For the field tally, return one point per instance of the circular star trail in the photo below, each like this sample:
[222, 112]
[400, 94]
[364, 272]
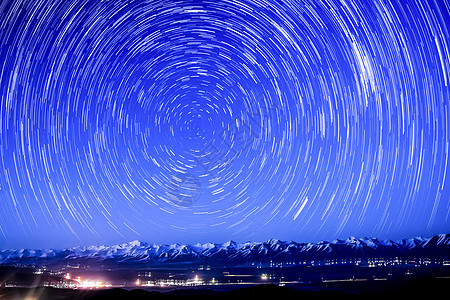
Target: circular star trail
[209, 120]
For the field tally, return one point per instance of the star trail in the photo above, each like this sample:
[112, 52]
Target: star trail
[195, 121]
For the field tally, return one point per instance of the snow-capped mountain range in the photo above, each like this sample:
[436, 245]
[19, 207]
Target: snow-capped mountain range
[231, 253]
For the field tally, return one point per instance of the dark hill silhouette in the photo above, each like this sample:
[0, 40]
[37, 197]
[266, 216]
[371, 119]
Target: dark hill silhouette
[425, 287]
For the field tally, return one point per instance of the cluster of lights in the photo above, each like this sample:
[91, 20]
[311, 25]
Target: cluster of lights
[171, 282]
[88, 283]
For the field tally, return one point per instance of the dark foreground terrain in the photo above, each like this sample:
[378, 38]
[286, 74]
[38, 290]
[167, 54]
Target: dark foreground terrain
[426, 287]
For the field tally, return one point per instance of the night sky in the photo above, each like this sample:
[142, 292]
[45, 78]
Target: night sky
[198, 121]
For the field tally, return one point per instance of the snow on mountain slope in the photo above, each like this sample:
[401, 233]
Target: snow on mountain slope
[232, 252]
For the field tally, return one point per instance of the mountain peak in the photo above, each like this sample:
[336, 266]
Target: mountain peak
[274, 241]
[229, 244]
[137, 243]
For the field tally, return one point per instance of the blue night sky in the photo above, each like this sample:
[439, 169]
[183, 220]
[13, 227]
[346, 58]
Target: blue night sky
[197, 121]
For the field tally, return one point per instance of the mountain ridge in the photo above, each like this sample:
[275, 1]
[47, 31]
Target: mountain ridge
[144, 253]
